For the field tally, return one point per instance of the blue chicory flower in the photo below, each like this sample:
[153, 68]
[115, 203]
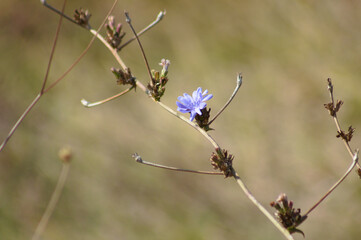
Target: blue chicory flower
[193, 104]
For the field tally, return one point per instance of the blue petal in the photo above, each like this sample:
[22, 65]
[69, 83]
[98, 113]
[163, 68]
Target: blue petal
[206, 98]
[193, 115]
[198, 111]
[202, 105]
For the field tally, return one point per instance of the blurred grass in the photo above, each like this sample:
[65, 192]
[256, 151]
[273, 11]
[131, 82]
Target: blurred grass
[276, 127]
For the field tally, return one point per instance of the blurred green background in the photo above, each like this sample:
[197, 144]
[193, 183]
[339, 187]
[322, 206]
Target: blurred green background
[277, 128]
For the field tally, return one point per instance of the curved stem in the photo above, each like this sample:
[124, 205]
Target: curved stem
[239, 83]
[250, 196]
[53, 201]
[138, 159]
[139, 43]
[88, 104]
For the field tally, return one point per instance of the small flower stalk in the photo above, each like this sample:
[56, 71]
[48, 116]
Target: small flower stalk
[114, 33]
[82, 17]
[157, 85]
[194, 105]
[124, 77]
[222, 160]
[288, 216]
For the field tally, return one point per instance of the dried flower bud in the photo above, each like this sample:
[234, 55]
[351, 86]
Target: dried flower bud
[333, 109]
[114, 34]
[223, 161]
[124, 77]
[346, 136]
[82, 17]
[288, 216]
[202, 120]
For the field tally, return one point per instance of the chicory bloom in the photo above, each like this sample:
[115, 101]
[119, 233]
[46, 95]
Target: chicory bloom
[193, 104]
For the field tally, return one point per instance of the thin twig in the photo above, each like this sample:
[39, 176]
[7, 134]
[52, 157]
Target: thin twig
[88, 104]
[22, 117]
[239, 83]
[53, 201]
[250, 196]
[61, 13]
[152, 24]
[335, 118]
[354, 162]
[53, 49]
[138, 159]
[127, 18]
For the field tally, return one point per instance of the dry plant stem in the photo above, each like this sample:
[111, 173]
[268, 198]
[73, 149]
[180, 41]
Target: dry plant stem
[88, 104]
[239, 83]
[338, 126]
[250, 196]
[52, 50]
[13, 129]
[37, 98]
[138, 159]
[140, 45]
[152, 24]
[53, 201]
[111, 49]
[61, 13]
[354, 162]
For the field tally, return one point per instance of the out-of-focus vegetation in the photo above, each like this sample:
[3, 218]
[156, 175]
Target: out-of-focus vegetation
[282, 137]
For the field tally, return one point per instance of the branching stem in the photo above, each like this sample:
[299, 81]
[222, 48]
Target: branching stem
[338, 126]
